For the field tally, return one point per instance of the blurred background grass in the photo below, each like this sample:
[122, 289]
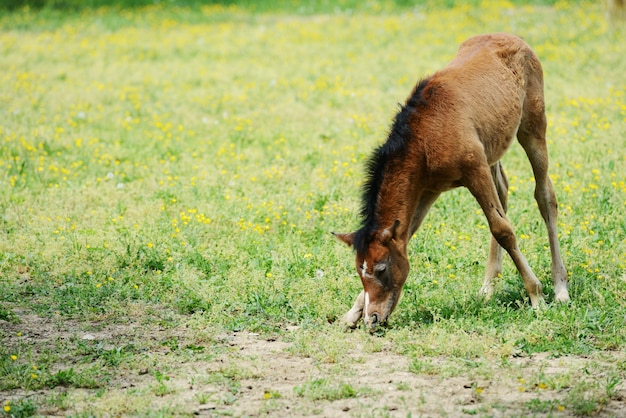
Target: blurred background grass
[298, 6]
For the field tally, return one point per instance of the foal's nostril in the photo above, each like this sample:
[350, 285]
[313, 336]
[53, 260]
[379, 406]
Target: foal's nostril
[374, 319]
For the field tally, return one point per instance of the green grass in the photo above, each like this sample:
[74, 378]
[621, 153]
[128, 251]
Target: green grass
[184, 167]
[325, 389]
[291, 6]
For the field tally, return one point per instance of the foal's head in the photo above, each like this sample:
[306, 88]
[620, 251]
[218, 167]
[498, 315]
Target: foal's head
[382, 264]
[380, 243]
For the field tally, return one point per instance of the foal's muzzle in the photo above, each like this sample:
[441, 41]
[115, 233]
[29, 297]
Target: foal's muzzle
[372, 322]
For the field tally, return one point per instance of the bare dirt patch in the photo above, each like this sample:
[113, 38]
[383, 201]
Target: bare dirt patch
[186, 370]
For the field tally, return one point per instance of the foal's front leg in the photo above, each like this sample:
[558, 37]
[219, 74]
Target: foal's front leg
[480, 184]
[353, 315]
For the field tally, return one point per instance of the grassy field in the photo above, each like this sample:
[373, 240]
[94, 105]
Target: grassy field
[170, 178]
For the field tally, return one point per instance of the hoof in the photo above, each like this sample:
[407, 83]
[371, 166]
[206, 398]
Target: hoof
[486, 291]
[352, 318]
[561, 295]
[537, 301]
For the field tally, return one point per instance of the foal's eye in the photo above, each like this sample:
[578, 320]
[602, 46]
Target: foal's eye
[380, 268]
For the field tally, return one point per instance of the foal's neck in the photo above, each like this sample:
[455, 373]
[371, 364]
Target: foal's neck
[399, 195]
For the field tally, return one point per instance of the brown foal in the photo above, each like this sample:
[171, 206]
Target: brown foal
[452, 131]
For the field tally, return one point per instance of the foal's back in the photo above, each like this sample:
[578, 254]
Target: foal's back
[482, 95]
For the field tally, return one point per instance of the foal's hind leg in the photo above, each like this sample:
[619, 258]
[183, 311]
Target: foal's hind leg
[479, 182]
[531, 136]
[494, 261]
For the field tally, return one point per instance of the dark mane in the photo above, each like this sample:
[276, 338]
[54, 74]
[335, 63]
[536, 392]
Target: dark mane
[376, 167]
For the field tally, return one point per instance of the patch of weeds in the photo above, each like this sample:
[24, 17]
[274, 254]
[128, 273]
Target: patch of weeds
[554, 381]
[202, 398]
[271, 394]
[62, 378]
[86, 379]
[171, 343]
[188, 302]
[200, 262]
[234, 372]
[374, 345]
[228, 398]
[6, 314]
[152, 260]
[590, 397]
[110, 357]
[115, 356]
[325, 349]
[160, 388]
[420, 366]
[58, 400]
[584, 405]
[325, 389]
[544, 406]
[15, 373]
[477, 392]
[81, 294]
[19, 409]
[270, 406]
[193, 348]
[229, 377]
[403, 386]
[138, 255]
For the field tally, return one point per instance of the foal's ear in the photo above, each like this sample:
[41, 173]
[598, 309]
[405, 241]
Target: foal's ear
[347, 239]
[390, 233]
